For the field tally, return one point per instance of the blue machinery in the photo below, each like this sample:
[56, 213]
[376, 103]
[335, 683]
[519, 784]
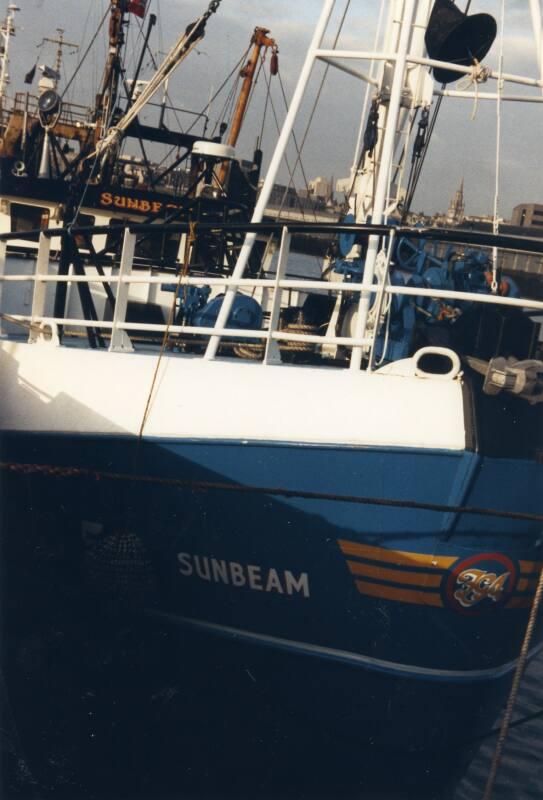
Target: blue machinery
[415, 263]
[428, 265]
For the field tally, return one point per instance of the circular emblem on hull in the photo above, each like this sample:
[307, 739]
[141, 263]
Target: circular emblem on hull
[481, 583]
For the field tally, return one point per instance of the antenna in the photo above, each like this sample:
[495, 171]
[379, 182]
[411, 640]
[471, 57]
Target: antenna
[7, 30]
[60, 41]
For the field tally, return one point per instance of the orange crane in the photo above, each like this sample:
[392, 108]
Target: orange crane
[259, 41]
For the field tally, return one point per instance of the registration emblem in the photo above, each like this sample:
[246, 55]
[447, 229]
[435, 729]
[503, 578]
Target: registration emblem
[481, 583]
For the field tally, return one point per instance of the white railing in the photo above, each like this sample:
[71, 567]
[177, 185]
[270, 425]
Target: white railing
[43, 326]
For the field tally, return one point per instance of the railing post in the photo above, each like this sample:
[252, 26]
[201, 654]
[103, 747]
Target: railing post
[273, 352]
[120, 341]
[3, 256]
[40, 287]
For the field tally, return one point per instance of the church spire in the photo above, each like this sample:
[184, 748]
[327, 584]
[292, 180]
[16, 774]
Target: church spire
[455, 213]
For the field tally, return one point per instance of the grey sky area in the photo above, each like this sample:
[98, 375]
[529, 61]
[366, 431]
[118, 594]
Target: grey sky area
[461, 147]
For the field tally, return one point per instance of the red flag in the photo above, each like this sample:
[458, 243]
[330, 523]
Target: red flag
[136, 7]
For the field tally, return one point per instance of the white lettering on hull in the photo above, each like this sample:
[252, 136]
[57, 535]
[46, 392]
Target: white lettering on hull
[251, 576]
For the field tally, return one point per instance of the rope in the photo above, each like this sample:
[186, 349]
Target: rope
[22, 323]
[51, 470]
[521, 665]
[478, 74]
[188, 243]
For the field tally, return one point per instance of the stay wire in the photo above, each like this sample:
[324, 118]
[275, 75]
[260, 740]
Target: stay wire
[299, 149]
[418, 171]
[264, 115]
[317, 99]
[261, 63]
[85, 54]
[287, 163]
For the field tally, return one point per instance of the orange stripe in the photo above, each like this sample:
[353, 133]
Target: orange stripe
[520, 602]
[530, 566]
[399, 576]
[403, 595]
[525, 584]
[396, 556]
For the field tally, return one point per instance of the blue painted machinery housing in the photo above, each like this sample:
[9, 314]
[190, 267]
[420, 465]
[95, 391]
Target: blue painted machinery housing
[428, 265]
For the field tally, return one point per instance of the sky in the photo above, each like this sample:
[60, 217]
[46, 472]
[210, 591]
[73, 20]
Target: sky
[462, 147]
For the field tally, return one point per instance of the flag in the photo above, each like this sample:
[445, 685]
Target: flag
[29, 77]
[136, 7]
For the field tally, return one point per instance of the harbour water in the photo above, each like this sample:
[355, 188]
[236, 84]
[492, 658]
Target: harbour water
[521, 774]
[102, 715]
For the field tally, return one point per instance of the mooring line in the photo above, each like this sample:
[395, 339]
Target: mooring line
[52, 470]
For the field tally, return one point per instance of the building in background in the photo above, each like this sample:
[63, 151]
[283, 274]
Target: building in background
[320, 188]
[528, 215]
[456, 211]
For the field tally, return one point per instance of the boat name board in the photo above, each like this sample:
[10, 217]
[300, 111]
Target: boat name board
[250, 576]
[136, 204]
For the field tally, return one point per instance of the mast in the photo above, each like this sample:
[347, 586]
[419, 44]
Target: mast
[107, 97]
[7, 30]
[259, 40]
[60, 42]
[390, 109]
[535, 9]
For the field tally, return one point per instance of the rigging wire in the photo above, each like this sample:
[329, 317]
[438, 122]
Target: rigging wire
[314, 109]
[85, 54]
[420, 164]
[261, 63]
[360, 142]
[201, 114]
[264, 115]
[287, 163]
[495, 220]
[221, 87]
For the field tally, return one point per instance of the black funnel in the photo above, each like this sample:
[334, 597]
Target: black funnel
[454, 36]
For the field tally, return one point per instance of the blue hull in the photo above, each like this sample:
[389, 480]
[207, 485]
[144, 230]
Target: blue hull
[392, 624]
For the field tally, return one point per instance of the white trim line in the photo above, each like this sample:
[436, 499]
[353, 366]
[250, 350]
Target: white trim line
[380, 665]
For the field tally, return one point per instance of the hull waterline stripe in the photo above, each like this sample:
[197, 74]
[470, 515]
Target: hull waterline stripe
[343, 656]
[520, 602]
[396, 557]
[422, 579]
[527, 584]
[529, 567]
[53, 470]
[402, 595]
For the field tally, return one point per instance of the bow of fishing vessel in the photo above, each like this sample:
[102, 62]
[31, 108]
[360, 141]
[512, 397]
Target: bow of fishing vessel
[335, 481]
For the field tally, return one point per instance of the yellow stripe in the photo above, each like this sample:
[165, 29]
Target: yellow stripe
[525, 584]
[519, 602]
[402, 595]
[397, 575]
[530, 566]
[398, 557]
